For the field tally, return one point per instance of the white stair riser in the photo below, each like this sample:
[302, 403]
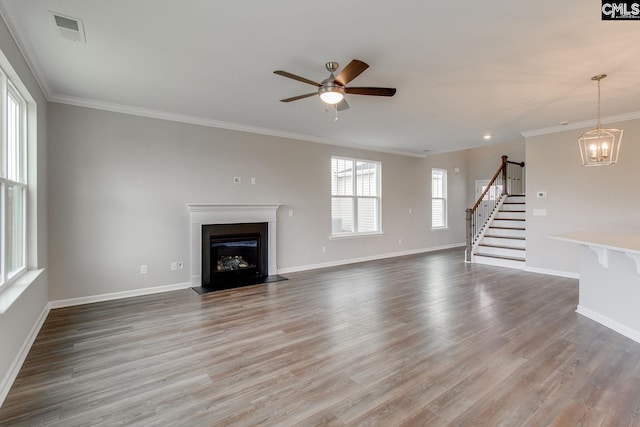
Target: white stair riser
[515, 199]
[514, 243]
[507, 223]
[506, 232]
[509, 215]
[512, 207]
[489, 250]
[499, 262]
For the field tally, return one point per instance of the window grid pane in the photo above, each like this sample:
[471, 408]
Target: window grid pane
[367, 215]
[438, 212]
[13, 138]
[341, 177]
[341, 215]
[367, 179]
[15, 229]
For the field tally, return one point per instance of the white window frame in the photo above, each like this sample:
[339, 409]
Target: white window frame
[354, 199]
[442, 222]
[19, 180]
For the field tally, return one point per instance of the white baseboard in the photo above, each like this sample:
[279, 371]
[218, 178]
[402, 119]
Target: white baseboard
[117, 295]
[609, 323]
[365, 259]
[567, 274]
[10, 376]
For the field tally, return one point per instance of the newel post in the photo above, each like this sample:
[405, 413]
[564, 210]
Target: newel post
[504, 174]
[467, 251]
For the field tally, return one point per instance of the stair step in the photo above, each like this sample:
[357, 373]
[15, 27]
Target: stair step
[518, 232]
[507, 252]
[504, 242]
[510, 258]
[493, 236]
[517, 199]
[488, 245]
[510, 215]
[499, 262]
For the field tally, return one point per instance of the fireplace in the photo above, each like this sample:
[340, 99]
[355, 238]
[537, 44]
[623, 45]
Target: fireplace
[234, 255]
[203, 215]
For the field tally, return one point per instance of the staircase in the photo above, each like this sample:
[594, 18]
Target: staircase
[496, 222]
[503, 241]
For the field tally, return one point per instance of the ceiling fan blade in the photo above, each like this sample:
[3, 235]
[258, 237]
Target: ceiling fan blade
[374, 91]
[294, 77]
[342, 105]
[295, 98]
[351, 71]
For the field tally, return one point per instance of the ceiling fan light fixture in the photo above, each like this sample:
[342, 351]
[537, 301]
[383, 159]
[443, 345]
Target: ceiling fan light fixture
[331, 94]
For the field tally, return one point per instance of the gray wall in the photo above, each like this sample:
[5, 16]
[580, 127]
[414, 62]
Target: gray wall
[119, 184]
[18, 322]
[605, 198]
[484, 161]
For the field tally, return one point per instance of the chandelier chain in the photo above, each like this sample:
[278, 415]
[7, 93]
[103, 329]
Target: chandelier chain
[599, 104]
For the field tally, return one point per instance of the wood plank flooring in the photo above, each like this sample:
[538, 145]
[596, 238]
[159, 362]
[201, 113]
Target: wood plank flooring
[424, 340]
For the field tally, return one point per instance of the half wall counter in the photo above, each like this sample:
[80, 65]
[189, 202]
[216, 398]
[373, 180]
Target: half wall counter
[609, 279]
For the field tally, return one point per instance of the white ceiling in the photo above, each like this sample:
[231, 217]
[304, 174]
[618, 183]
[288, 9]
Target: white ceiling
[462, 69]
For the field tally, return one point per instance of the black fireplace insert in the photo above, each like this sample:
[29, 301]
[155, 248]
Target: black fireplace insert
[234, 255]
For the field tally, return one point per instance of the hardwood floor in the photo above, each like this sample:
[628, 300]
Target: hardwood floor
[412, 341]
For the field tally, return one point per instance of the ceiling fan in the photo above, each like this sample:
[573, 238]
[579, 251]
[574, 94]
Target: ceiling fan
[332, 89]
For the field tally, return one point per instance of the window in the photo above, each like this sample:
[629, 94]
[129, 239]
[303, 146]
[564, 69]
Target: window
[355, 196]
[13, 185]
[438, 198]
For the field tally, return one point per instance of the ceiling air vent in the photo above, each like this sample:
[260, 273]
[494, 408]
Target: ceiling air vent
[68, 27]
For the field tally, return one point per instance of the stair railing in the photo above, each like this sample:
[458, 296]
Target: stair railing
[508, 179]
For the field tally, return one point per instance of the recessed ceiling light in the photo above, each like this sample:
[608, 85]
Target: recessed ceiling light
[487, 136]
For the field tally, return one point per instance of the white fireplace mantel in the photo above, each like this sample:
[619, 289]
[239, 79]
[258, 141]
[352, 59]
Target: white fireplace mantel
[222, 213]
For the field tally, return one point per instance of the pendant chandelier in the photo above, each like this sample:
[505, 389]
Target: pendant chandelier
[600, 147]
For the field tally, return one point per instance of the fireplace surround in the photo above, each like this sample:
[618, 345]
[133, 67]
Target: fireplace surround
[216, 213]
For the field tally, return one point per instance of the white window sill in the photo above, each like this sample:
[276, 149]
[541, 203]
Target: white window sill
[12, 292]
[439, 228]
[354, 235]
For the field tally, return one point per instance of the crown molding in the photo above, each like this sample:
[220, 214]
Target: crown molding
[579, 125]
[201, 121]
[25, 48]
[27, 51]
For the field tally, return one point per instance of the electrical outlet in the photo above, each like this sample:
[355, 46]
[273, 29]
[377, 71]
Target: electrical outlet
[180, 265]
[400, 241]
[174, 266]
[253, 181]
[237, 179]
[290, 212]
[324, 249]
[143, 269]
